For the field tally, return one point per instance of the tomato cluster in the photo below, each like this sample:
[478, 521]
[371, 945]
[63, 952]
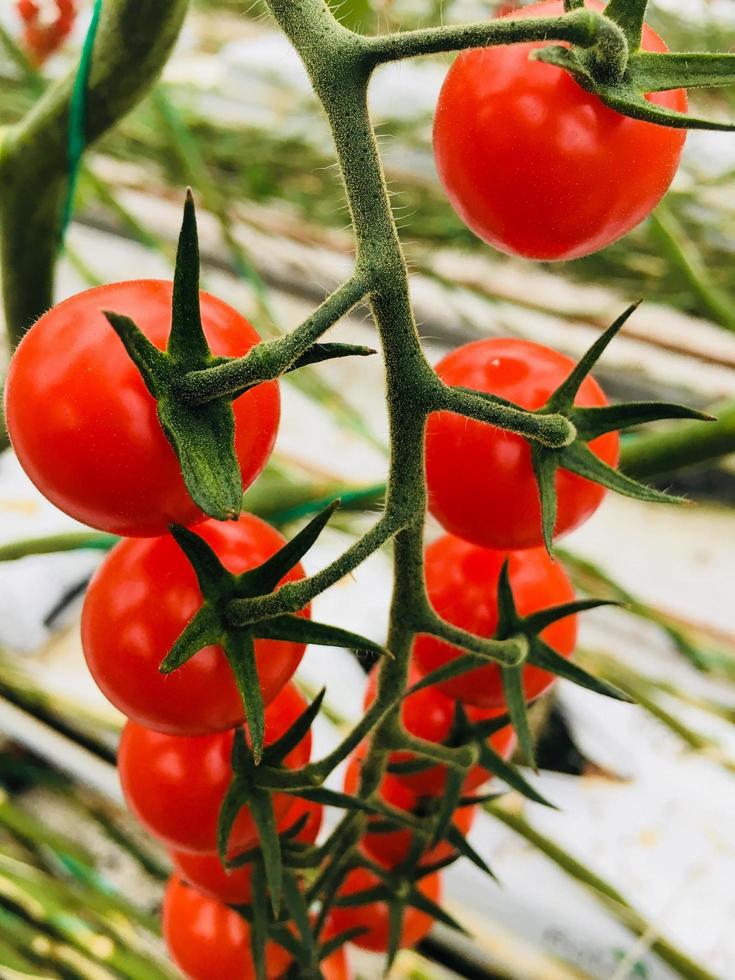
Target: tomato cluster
[46, 25]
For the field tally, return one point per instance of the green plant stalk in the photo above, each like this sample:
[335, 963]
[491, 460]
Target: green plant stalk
[134, 40]
[612, 899]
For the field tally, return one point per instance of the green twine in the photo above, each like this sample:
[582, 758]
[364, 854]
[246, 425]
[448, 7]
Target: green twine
[77, 118]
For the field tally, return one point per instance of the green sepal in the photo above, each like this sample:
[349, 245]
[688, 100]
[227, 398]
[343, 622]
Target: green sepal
[238, 794]
[629, 16]
[318, 353]
[259, 921]
[593, 422]
[579, 458]
[510, 774]
[239, 649]
[332, 797]
[463, 847]
[297, 629]
[299, 913]
[451, 669]
[365, 896]
[261, 810]
[516, 702]
[543, 656]
[651, 71]
[338, 941]
[537, 622]
[396, 913]
[202, 631]
[278, 750]
[212, 576]
[424, 904]
[203, 436]
[478, 800]
[544, 469]
[449, 800]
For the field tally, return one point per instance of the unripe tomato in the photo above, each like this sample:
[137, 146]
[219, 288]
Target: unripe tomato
[85, 427]
[176, 786]
[429, 714]
[141, 599]
[462, 582]
[207, 873]
[536, 165]
[392, 848]
[481, 481]
[374, 917]
[209, 941]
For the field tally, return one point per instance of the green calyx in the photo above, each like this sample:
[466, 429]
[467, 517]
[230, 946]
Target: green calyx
[212, 624]
[197, 416]
[589, 424]
[621, 74]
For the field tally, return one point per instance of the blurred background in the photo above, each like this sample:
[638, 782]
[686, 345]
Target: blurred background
[633, 875]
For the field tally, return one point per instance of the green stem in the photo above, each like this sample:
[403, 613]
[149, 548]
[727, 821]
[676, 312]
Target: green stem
[134, 40]
[73, 541]
[609, 896]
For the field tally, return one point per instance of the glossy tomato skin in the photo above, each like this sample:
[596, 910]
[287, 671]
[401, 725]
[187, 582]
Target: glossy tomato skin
[538, 167]
[374, 917]
[140, 601]
[209, 941]
[429, 714]
[391, 849]
[175, 786]
[462, 582]
[85, 428]
[480, 478]
[207, 873]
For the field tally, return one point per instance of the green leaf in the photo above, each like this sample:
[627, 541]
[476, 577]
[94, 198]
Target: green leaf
[261, 809]
[563, 398]
[239, 648]
[651, 71]
[278, 750]
[212, 577]
[516, 702]
[298, 629]
[593, 422]
[510, 774]
[328, 352]
[629, 15]
[263, 579]
[204, 630]
[187, 344]
[259, 921]
[460, 843]
[542, 655]
[580, 459]
[537, 622]
[544, 469]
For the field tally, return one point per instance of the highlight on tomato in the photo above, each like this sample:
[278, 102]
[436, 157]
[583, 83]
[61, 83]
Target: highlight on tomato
[462, 582]
[209, 941]
[85, 427]
[537, 166]
[176, 786]
[374, 917]
[429, 714]
[141, 599]
[481, 481]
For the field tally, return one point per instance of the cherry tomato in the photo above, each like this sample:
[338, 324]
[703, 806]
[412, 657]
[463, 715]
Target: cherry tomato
[481, 481]
[45, 26]
[142, 598]
[374, 917]
[462, 582]
[392, 848]
[176, 786]
[429, 714]
[85, 428]
[336, 967]
[209, 941]
[534, 164]
[207, 873]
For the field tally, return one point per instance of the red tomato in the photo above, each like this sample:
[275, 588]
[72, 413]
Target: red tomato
[391, 849]
[207, 873]
[43, 36]
[481, 481]
[429, 714]
[139, 602]
[462, 582]
[374, 917]
[209, 941]
[539, 167]
[85, 428]
[176, 786]
[336, 967]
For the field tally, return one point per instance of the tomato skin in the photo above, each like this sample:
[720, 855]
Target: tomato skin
[480, 478]
[141, 599]
[392, 848]
[209, 941]
[207, 873]
[462, 582]
[85, 428]
[532, 163]
[429, 714]
[336, 967]
[175, 786]
[374, 917]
